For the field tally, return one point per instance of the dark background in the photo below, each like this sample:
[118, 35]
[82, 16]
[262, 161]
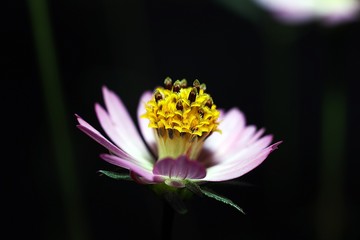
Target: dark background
[299, 82]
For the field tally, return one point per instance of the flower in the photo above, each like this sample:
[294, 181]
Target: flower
[185, 141]
[330, 12]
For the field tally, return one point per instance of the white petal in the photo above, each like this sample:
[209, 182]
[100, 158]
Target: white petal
[98, 137]
[233, 120]
[223, 172]
[141, 155]
[127, 133]
[140, 170]
[236, 142]
[146, 132]
[241, 156]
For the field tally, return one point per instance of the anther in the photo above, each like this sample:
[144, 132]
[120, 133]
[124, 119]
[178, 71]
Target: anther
[157, 96]
[176, 86]
[196, 84]
[209, 103]
[203, 86]
[201, 113]
[179, 106]
[168, 83]
[170, 133]
[183, 83]
[160, 132]
[192, 95]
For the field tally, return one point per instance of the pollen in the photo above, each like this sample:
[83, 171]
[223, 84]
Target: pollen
[182, 114]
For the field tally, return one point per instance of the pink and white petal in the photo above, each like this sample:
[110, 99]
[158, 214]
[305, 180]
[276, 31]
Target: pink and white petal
[107, 125]
[223, 172]
[257, 135]
[180, 168]
[263, 142]
[99, 138]
[244, 138]
[140, 180]
[147, 133]
[235, 142]
[243, 155]
[222, 114]
[217, 145]
[226, 159]
[139, 153]
[122, 120]
[185, 168]
[244, 145]
[146, 173]
[232, 120]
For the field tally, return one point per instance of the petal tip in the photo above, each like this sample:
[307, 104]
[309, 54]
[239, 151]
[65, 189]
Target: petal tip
[104, 88]
[275, 146]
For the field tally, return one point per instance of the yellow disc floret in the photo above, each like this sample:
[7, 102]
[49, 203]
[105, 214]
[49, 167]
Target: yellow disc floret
[182, 117]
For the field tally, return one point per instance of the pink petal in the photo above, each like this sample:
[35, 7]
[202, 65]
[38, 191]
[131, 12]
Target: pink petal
[146, 173]
[257, 135]
[223, 172]
[146, 132]
[245, 147]
[235, 139]
[239, 156]
[180, 168]
[137, 151]
[243, 155]
[141, 180]
[98, 137]
[123, 122]
[233, 120]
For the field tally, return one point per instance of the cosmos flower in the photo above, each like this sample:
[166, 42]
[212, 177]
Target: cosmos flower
[329, 12]
[185, 140]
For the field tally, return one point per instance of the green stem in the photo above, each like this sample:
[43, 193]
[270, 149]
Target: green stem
[331, 206]
[56, 113]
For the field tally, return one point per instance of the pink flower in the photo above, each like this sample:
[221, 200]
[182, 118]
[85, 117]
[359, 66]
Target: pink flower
[184, 138]
[329, 12]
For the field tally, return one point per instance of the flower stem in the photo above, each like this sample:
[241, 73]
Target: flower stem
[167, 221]
[55, 107]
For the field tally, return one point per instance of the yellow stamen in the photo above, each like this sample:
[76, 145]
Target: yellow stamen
[182, 117]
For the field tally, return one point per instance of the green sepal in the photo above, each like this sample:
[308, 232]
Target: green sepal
[176, 202]
[195, 188]
[174, 196]
[116, 175]
[211, 194]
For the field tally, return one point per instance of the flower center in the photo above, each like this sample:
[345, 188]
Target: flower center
[182, 117]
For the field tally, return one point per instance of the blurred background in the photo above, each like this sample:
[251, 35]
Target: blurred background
[297, 79]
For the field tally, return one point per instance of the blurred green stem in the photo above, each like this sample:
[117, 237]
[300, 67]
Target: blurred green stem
[54, 106]
[331, 176]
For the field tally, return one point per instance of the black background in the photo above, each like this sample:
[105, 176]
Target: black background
[279, 75]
